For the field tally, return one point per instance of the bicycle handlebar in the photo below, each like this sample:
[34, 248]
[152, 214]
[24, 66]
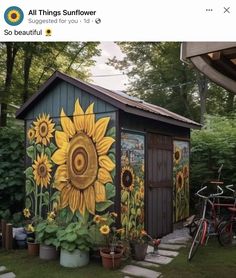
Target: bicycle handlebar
[229, 187]
[211, 195]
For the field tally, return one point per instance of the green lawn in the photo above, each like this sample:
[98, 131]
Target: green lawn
[210, 261]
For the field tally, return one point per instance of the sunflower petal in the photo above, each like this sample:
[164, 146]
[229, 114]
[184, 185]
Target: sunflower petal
[61, 138]
[65, 195]
[100, 129]
[104, 145]
[81, 204]
[67, 124]
[74, 199]
[100, 192]
[61, 177]
[106, 162]
[78, 116]
[89, 197]
[59, 156]
[89, 120]
[104, 176]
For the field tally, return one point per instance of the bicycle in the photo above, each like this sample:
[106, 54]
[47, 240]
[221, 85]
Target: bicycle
[204, 229]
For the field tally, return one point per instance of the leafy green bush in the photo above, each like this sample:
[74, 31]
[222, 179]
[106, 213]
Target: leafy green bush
[212, 146]
[11, 170]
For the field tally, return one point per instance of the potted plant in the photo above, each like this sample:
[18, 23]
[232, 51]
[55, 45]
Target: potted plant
[139, 244]
[75, 242]
[112, 252]
[33, 245]
[46, 232]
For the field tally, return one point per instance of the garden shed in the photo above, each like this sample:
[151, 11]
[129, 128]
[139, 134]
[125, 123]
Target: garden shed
[89, 149]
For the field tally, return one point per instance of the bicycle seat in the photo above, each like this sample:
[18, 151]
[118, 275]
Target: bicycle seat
[216, 182]
[232, 209]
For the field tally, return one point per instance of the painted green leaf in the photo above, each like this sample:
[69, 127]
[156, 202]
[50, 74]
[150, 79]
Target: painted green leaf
[113, 173]
[55, 196]
[39, 148]
[124, 196]
[30, 152]
[110, 190]
[28, 203]
[52, 147]
[111, 132]
[46, 198]
[133, 211]
[29, 187]
[112, 157]
[48, 152]
[112, 151]
[103, 205]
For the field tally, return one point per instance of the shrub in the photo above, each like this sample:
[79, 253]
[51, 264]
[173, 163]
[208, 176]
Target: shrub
[11, 170]
[212, 146]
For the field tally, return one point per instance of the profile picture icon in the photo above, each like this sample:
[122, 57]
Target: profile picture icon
[48, 32]
[13, 16]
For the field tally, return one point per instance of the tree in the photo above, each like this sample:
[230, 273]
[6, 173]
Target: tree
[27, 65]
[157, 75]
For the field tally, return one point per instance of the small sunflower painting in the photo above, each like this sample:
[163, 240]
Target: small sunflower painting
[181, 180]
[132, 183]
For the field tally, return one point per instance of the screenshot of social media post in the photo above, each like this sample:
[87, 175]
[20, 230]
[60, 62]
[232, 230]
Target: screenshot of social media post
[117, 139]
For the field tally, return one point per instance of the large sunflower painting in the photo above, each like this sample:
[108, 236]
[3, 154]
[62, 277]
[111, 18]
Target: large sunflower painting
[181, 180]
[84, 166]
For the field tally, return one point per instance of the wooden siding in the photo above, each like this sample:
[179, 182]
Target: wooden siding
[136, 123]
[64, 95]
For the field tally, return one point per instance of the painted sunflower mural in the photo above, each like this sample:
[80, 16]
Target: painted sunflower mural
[39, 174]
[72, 163]
[181, 180]
[83, 164]
[132, 184]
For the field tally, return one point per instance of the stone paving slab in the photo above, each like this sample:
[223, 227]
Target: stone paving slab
[8, 275]
[157, 259]
[2, 268]
[167, 253]
[144, 264]
[140, 272]
[170, 246]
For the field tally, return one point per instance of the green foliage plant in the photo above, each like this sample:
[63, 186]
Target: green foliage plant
[46, 232]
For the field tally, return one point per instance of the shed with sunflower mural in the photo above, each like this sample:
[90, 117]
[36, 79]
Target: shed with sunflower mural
[89, 149]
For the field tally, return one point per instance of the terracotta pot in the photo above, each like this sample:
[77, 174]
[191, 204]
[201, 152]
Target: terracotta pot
[139, 251]
[33, 248]
[48, 252]
[111, 261]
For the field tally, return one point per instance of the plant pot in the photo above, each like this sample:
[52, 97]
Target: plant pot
[48, 252]
[33, 248]
[76, 258]
[111, 261]
[139, 251]
[21, 244]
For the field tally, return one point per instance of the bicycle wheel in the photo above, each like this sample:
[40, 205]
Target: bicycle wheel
[194, 226]
[227, 234]
[198, 239]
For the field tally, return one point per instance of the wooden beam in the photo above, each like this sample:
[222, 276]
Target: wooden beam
[9, 237]
[3, 227]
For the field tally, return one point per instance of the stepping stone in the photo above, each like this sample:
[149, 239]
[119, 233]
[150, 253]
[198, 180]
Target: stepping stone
[8, 275]
[140, 272]
[144, 264]
[167, 253]
[170, 246]
[2, 268]
[157, 259]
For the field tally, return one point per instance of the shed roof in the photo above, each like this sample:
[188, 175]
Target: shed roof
[118, 99]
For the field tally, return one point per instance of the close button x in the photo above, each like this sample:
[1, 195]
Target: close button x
[226, 10]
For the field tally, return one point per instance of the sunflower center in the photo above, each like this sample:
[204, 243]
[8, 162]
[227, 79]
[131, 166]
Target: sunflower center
[177, 155]
[127, 178]
[43, 129]
[13, 15]
[42, 170]
[82, 161]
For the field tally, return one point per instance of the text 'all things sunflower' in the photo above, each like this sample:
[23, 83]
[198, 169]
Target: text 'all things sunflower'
[82, 157]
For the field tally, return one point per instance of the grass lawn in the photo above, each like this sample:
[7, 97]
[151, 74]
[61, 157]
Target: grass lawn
[210, 261]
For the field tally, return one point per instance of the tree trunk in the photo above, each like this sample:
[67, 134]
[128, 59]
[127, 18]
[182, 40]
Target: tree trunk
[230, 102]
[12, 49]
[203, 89]
[28, 57]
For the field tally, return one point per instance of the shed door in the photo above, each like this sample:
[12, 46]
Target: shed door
[159, 184]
